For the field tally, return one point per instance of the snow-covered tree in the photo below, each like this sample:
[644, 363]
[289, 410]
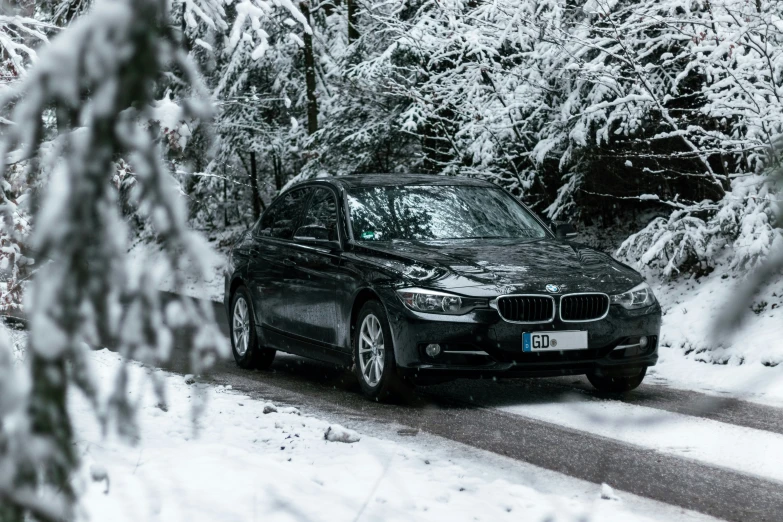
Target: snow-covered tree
[61, 13]
[20, 35]
[713, 82]
[98, 77]
[589, 109]
[122, 88]
[256, 83]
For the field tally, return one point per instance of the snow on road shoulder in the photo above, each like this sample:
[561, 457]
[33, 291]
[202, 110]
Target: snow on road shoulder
[746, 365]
[749, 382]
[690, 307]
[244, 464]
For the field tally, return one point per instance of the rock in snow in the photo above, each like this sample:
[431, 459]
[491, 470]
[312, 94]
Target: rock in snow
[271, 408]
[336, 433]
[98, 473]
[607, 493]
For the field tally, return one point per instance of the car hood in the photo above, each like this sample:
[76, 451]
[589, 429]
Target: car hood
[501, 266]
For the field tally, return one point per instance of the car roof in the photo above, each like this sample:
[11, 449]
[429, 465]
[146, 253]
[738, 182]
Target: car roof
[396, 180]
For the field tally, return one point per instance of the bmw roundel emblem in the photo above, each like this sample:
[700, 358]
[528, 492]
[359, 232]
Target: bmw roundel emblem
[552, 289]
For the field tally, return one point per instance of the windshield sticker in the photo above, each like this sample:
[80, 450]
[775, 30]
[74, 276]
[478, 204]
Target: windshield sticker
[368, 234]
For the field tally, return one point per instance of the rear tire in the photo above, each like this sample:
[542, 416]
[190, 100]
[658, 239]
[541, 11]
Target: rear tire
[617, 383]
[244, 341]
[373, 355]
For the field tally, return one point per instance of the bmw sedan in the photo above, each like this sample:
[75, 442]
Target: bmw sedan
[421, 278]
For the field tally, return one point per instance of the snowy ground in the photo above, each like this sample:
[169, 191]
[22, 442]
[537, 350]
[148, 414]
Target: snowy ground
[750, 382]
[243, 464]
[691, 306]
[745, 365]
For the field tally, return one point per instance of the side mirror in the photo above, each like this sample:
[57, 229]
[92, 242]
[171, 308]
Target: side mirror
[316, 235]
[565, 231]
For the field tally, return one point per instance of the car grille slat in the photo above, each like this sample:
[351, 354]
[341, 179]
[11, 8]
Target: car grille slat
[583, 307]
[526, 308]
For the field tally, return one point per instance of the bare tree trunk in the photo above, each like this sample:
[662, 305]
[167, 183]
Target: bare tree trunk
[278, 167]
[225, 199]
[353, 32]
[254, 187]
[312, 101]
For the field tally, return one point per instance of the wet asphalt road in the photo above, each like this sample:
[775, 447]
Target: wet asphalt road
[464, 411]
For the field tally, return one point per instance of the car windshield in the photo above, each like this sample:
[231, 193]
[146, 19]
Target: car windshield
[438, 212]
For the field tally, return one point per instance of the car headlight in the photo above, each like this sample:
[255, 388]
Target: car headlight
[430, 301]
[640, 296]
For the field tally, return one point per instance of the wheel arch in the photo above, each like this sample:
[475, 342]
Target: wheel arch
[236, 282]
[362, 296]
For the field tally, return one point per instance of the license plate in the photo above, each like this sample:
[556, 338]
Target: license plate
[554, 341]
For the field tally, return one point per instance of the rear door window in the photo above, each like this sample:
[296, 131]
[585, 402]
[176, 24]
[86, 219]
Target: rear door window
[283, 216]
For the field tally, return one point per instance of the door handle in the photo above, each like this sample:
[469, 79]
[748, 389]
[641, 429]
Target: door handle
[289, 262]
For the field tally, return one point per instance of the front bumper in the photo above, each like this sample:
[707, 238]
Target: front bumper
[481, 344]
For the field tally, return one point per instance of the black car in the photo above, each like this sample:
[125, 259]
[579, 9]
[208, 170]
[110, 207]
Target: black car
[423, 278]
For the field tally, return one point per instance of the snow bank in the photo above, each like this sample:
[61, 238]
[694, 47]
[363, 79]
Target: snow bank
[691, 305]
[751, 382]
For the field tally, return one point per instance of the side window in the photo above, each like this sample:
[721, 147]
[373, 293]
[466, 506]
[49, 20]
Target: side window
[279, 221]
[321, 218]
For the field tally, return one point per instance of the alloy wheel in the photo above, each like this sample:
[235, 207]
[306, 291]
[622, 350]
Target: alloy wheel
[241, 326]
[371, 351]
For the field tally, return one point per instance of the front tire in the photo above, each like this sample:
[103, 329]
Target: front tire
[244, 342]
[373, 353]
[617, 383]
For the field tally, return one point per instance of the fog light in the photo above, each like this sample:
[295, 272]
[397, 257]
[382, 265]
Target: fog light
[643, 342]
[432, 350]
